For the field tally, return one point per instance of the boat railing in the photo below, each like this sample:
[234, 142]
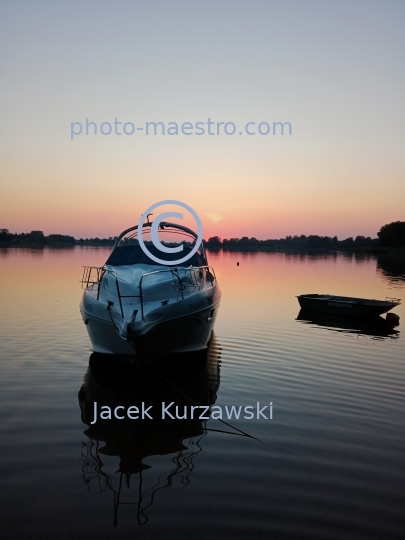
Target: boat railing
[93, 275]
[92, 278]
[390, 299]
[182, 283]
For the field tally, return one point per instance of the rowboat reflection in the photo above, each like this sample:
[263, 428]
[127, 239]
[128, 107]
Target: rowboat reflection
[112, 384]
[376, 327]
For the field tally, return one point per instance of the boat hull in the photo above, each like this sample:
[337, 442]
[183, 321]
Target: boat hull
[104, 337]
[188, 333]
[184, 334]
[351, 307]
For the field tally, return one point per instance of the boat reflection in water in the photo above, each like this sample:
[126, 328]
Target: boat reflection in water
[376, 327]
[186, 381]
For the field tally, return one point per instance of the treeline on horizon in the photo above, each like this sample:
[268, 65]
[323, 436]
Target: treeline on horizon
[312, 241]
[38, 238]
[391, 235]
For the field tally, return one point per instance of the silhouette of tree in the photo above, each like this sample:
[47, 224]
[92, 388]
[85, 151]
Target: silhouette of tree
[392, 234]
[214, 241]
[5, 235]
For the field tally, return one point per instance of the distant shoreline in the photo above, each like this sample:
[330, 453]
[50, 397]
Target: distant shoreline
[390, 242]
[362, 250]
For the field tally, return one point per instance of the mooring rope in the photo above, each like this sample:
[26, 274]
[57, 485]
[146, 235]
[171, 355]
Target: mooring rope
[240, 431]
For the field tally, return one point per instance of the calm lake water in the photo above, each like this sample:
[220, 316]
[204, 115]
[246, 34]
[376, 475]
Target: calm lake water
[329, 465]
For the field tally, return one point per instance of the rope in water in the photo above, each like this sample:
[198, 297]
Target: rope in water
[240, 431]
[192, 401]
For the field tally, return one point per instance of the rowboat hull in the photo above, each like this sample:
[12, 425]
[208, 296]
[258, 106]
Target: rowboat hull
[345, 305]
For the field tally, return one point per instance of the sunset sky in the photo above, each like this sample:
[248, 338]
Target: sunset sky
[333, 69]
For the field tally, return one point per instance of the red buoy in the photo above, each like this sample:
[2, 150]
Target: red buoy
[392, 318]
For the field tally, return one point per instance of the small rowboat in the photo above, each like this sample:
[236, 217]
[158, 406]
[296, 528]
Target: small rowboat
[346, 305]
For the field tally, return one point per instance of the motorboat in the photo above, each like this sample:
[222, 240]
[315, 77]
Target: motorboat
[347, 305]
[136, 305]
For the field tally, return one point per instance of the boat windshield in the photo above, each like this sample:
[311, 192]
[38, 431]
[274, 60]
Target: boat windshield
[133, 254]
